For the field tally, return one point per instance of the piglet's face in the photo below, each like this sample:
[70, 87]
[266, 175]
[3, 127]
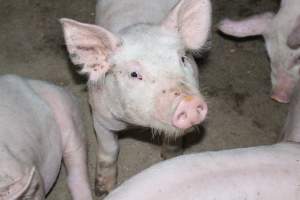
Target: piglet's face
[145, 67]
[155, 77]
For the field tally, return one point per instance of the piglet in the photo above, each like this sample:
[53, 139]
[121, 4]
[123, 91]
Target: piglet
[39, 126]
[256, 173]
[281, 32]
[140, 70]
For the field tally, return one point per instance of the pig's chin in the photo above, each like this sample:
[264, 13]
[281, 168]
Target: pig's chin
[167, 130]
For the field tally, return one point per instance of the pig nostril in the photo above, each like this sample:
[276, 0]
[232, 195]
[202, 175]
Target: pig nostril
[182, 116]
[199, 109]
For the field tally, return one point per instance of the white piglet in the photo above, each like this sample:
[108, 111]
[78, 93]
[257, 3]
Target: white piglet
[40, 126]
[139, 69]
[281, 32]
[256, 173]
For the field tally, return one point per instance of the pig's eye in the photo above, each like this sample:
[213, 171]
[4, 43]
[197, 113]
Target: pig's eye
[136, 75]
[183, 59]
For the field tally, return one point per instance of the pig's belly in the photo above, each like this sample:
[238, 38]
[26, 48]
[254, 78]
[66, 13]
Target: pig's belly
[50, 169]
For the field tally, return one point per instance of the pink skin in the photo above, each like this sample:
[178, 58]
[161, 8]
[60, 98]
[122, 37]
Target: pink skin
[257, 173]
[190, 111]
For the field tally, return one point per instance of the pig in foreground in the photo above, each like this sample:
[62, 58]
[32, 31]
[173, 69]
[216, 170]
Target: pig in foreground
[139, 70]
[281, 32]
[40, 125]
[257, 173]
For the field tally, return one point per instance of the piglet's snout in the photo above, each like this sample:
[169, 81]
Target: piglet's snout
[190, 111]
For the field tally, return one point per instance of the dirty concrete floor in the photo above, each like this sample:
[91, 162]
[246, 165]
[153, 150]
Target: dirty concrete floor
[234, 77]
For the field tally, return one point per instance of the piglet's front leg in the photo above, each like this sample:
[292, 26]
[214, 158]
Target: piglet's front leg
[107, 155]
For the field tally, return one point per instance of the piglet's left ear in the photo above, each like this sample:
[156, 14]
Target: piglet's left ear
[294, 38]
[89, 46]
[192, 19]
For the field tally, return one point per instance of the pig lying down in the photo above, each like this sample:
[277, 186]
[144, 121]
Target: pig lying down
[40, 126]
[258, 173]
[139, 69]
[281, 32]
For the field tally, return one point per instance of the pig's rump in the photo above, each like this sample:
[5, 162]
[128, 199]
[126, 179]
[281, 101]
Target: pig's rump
[266, 172]
[28, 132]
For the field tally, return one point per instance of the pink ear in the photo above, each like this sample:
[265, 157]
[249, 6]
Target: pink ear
[89, 46]
[192, 19]
[293, 40]
[255, 25]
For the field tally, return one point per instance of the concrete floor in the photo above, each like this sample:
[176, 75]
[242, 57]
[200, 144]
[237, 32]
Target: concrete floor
[234, 77]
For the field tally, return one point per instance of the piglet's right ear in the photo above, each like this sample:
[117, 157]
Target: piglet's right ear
[192, 20]
[89, 46]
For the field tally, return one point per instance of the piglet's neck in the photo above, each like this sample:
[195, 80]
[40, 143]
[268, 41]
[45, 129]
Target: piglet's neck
[106, 107]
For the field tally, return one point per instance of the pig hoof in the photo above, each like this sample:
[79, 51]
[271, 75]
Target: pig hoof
[100, 193]
[99, 189]
[102, 187]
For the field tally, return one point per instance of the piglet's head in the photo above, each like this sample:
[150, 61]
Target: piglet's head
[283, 46]
[145, 66]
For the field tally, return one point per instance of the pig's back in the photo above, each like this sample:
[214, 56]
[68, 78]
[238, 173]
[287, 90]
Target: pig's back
[266, 172]
[28, 129]
[115, 15]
